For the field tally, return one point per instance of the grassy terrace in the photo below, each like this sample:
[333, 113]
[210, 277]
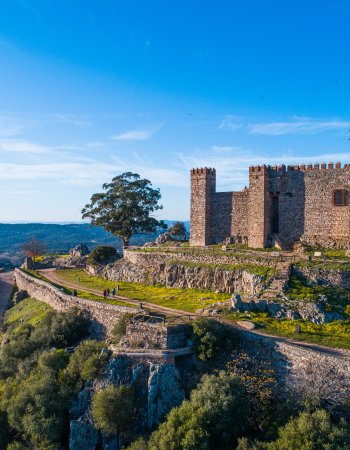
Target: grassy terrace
[335, 334]
[176, 298]
[233, 251]
[260, 270]
[28, 311]
[298, 289]
[81, 293]
[326, 264]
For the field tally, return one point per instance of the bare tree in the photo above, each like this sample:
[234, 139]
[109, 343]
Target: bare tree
[319, 385]
[34, 248]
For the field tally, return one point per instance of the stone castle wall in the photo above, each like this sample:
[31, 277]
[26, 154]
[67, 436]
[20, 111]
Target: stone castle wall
[283, 205]
[301, 363]
[106, 315]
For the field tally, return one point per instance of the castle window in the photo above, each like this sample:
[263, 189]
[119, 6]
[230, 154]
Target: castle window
[340, 197]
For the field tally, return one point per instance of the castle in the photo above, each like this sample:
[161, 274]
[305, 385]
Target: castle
[283, 205]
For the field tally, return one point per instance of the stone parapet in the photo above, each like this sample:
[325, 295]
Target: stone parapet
[106, 315]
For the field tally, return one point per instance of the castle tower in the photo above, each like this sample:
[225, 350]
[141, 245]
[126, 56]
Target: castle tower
[257, 207]
[203, 186]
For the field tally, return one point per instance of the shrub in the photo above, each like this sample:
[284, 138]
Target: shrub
[87, 363]
[101, 255]
[212, 337]
[119, 328]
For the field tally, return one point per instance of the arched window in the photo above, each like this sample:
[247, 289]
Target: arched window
[340, 197]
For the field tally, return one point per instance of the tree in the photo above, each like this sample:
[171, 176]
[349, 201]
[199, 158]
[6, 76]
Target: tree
[112, 410]
[211, 338]
[179, 230]
[211, 419]
[125, 207]
[34, 248]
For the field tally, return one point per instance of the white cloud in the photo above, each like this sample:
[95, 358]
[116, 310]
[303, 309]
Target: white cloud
[89, 173]
[297, 126]
[71, 119]
[230, 122]
[17, 146]
[134, 135]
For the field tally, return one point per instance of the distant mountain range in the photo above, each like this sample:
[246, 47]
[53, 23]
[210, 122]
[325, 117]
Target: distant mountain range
[59, 238]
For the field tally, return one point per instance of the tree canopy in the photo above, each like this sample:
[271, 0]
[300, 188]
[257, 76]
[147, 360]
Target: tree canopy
[113, 408]
[212, 418]
[178, 230]
[125, 207]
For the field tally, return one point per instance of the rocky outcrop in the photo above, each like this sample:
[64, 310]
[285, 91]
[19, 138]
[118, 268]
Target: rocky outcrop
[163, 238]
[158, 388]
[164, 392]
[215, 278]
[181, 276]
[79, 250]
[325, 277]
[315, 312]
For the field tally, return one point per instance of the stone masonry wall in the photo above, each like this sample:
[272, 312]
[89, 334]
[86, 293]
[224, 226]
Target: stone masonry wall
[240, 213]
[299, 363]
[222, 217]
[323, 220]
[282, 205]
[106, 315]
[203, 185]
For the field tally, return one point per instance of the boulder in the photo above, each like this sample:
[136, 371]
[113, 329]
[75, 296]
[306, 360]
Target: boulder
[246, 324]
[79, 250]
[163, 238]
[149, 244]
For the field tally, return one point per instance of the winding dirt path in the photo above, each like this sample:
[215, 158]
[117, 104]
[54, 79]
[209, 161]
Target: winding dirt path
[7, 282]
[53, 275]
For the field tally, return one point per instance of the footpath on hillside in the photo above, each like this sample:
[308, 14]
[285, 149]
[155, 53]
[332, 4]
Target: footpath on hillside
[7, 282]
[53, 276]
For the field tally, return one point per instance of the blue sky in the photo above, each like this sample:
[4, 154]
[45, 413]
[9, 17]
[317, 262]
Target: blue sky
[90, 89]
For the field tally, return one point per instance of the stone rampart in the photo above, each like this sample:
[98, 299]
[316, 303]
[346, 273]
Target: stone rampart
[106, 315]
[150, 259]
[299, 363]
[141, 334]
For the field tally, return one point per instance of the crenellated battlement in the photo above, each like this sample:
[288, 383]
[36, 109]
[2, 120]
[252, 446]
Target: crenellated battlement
[297, 168]
[284, 204]
[202, 171]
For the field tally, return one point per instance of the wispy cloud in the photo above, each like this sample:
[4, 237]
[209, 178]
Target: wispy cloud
[134, 135]
[17, 146]
[71, 119]
[90, 172]
[137, 135]
[297, 126]
[230, 122]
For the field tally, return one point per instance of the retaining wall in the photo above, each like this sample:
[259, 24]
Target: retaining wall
[106, 315]
[321, 369]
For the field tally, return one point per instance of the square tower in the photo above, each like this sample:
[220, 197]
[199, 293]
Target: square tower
[203, 187]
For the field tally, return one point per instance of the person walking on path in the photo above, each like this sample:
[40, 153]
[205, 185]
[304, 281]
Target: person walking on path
[108, 293]
[113, 292]
[75, 293]
[104, 293]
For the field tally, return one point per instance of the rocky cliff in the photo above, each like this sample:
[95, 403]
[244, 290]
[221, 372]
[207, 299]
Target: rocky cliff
[158, 388]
